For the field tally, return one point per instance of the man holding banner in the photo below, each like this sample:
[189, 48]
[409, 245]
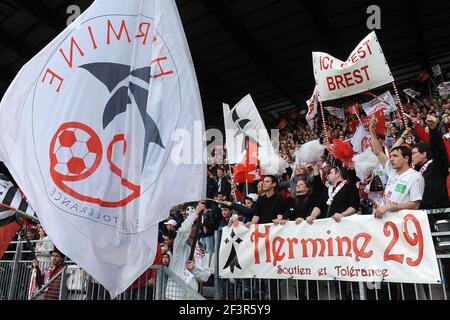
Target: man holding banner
[405, 186]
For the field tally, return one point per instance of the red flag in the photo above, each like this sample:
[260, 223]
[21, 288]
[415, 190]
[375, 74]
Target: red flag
[353, 109]
[423, 135]
[7, 233]
[244, 171]
[238, 195]
[342, 151]
[365, 121]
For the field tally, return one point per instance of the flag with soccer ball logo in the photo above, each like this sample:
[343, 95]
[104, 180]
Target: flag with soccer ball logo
[93, 129]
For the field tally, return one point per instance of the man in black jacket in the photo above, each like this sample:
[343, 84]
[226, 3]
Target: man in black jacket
[223, 186]
[270, 207]
[431, 161]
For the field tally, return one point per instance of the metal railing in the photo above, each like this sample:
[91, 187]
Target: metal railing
[73, 283]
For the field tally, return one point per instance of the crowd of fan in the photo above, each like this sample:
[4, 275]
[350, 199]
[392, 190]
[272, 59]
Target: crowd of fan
[304, 191]
[326, 189]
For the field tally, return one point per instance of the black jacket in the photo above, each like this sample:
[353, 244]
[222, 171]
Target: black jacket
[347, 197]
[435, 176]
[225, 187]
[268, 209]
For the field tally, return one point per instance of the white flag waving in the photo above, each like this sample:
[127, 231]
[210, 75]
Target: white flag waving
[384, 101]
[91, 131]
[247, 119]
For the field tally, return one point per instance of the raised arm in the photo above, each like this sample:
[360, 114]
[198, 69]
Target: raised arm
[402, 138]
[376, 145]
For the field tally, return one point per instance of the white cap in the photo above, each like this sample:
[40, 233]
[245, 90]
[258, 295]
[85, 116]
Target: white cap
[253, 196]
[171, 222]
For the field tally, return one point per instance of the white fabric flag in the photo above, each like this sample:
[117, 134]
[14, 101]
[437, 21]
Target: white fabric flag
[312, 108]
[247, 119]
[337, 112]
[93, 128]
[411, 93]
[385, 101]
[235, 138]
[360, 140]
[366, 68]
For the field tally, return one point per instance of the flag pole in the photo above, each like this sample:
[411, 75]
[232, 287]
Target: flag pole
[357, 114]
[402, 113]
[246, 166]
[327, 139]
[20, 213]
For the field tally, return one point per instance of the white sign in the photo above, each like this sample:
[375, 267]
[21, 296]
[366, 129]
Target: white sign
[89, 132]
[397, 248]
[444, 88]
[384, 101]
[337, 112]
[436, 70]
[366, 68]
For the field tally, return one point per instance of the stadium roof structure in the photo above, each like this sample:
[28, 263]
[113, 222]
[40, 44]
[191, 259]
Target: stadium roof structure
[260, 47]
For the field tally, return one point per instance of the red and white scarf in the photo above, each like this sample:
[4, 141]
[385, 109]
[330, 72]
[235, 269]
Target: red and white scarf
[332, 193]
[425, 166]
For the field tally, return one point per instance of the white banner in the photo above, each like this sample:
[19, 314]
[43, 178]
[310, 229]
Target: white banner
[444, 88]
[385, 101]
[98, 130]
[397, 248]
[411, 93]
[366, 68]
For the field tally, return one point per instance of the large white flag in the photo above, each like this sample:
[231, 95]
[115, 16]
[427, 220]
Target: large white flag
[93, 128]
[365, 68]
